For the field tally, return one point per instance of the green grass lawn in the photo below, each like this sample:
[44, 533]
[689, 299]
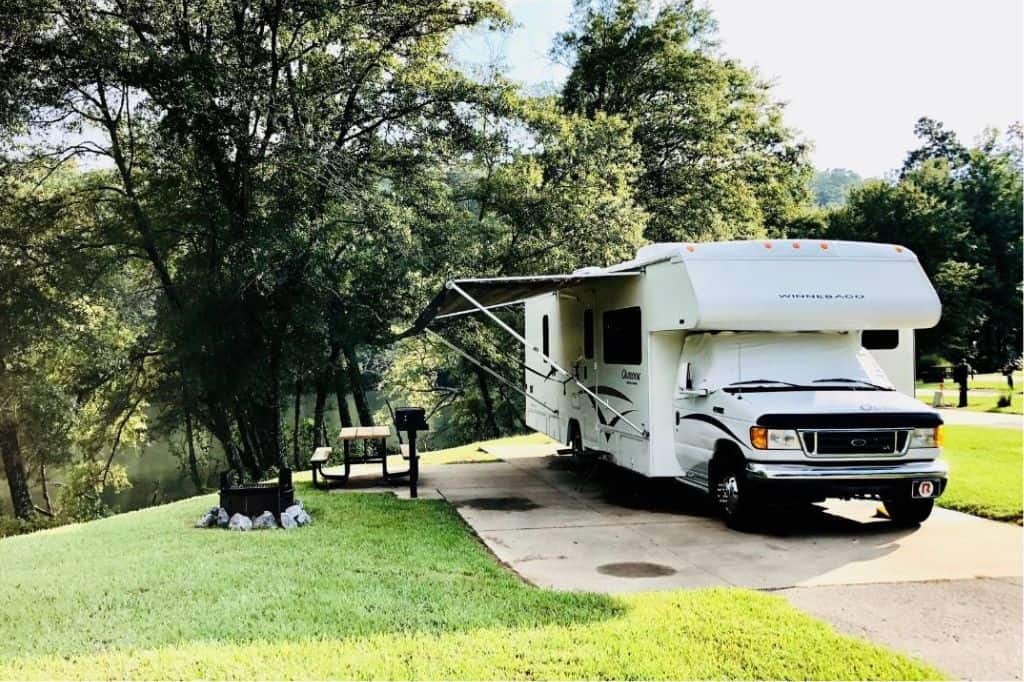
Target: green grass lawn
[985, 471]
[376, 588]
[976, 402]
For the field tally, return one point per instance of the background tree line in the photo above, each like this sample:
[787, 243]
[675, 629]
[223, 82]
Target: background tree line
[213, 208]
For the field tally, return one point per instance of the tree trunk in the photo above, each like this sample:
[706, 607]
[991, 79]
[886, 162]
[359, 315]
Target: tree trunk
[193, 464]
[344, 416]
[45, 485]
[296, 424]
[323, 383]
[355, 382]
[491, 421]
[247, 453]
[14, 468]
[274, 416]
[221, 430]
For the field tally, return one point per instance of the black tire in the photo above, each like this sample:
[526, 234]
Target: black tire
[576, 445]
[732, 496]
[908, 511]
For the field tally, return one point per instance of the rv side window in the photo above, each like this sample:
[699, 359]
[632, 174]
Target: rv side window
[545, 336]
[880, 339]
[588, 334]
[623, 340]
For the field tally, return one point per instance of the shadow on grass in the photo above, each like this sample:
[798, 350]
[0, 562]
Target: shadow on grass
[368, 565]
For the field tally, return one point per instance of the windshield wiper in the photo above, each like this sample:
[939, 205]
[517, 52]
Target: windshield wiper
[845, 380]
[762, 381]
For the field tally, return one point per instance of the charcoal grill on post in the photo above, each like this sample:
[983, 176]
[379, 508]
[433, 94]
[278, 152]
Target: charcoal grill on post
[411, 420]
[255, 498]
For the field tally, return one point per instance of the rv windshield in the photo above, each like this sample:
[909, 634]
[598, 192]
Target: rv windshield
[783, 361]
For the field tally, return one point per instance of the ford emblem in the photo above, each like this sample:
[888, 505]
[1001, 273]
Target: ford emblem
[858, 442]
[867, 407]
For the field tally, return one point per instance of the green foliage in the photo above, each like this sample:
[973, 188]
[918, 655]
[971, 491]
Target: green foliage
[81, 496]
[717, 161]
[376, 587]
[831, 187]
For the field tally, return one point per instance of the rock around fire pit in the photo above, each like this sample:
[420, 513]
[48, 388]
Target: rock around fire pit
[255, 506]
[292, 517]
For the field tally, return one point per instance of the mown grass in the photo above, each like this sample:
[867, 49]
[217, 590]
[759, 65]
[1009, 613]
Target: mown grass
[376, 588]
[985, 474]
[477, 452]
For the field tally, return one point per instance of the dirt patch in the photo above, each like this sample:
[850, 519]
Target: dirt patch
[521, 504]
[636, 569]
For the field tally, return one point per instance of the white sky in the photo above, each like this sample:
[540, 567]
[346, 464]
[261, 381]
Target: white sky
[856, 74]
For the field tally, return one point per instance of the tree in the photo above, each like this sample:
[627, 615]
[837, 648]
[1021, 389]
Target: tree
[248, 144]
[830, 187]
[717, 161]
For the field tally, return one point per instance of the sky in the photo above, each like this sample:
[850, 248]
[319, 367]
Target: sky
[855, 74]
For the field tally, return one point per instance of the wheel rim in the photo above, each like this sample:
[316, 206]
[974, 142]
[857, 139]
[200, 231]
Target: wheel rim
[729, 494]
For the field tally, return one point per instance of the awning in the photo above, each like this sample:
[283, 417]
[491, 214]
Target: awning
[498, 291]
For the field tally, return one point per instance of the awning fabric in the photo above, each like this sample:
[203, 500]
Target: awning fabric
[497, 291]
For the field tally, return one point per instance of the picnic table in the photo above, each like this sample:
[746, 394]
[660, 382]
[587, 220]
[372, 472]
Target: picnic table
[374, 442]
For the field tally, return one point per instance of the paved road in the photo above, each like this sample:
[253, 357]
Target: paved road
[967, 418]
[948, 592]
[968, 628]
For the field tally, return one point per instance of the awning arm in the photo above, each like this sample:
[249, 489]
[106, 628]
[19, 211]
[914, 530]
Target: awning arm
[490, 371]
[512, 332]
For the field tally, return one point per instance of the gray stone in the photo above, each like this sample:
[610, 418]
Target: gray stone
[294, 510]
[222, 517]
[303, 517]
[240, 522]
[288, 521]
[264, 521]
[207, 520]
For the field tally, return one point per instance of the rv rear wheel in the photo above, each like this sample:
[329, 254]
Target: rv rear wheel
[732, 496]
[576, 445]
[907, 511]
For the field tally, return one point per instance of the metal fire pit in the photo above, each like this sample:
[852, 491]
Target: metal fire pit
[255, 498]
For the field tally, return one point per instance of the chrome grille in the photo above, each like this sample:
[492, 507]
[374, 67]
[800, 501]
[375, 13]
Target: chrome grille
[878, 442]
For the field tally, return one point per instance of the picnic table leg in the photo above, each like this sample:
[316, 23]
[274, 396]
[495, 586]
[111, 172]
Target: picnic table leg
[414, 464]
[384, 457]
[345, 451]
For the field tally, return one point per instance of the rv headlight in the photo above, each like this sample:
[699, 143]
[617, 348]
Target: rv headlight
[926, 438]
[773, 439]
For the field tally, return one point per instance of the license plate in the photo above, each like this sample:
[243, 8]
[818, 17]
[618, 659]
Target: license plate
[924, 488]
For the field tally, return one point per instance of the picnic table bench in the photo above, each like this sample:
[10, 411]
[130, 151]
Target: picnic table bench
[369, 436]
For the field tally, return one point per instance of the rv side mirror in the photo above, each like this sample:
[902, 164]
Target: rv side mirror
[684, 381]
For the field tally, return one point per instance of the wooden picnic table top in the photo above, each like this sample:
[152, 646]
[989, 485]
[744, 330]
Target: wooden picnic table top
[364, 432]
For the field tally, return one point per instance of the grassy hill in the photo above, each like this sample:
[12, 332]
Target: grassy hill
[376, 588]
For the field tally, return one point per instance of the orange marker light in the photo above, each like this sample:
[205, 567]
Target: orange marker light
[691, 248]
[767, 245]
[759, 437]
[938, 436]
[899, 249]
[824, 246]
[796, 245]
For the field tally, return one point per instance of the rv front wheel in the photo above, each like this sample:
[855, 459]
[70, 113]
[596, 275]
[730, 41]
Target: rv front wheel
[732, 496]
[908, 512]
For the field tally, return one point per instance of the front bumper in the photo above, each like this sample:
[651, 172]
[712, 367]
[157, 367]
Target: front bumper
[845, 480]
[785, 471]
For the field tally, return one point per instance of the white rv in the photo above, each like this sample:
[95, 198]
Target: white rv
[757, 371]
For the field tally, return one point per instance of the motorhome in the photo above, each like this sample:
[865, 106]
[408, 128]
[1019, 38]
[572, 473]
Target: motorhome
[774, 371]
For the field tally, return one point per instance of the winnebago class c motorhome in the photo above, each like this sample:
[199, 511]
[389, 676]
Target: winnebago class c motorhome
[756, 371]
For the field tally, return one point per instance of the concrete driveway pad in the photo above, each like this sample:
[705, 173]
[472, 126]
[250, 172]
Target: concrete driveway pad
[948, 591]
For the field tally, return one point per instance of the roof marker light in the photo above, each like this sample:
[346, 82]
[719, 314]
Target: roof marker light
[899, 249]
[796, 245]
[691, 248]
[767, 245]
[824, 246]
